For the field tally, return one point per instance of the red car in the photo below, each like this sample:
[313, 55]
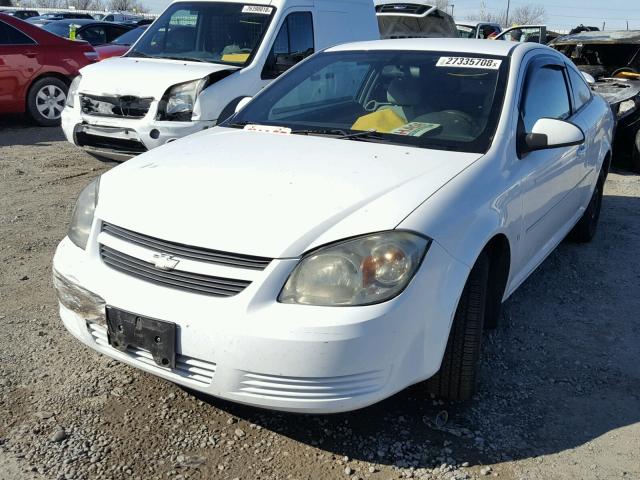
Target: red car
[36, 68]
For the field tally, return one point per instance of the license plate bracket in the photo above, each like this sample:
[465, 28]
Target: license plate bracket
[126, 329]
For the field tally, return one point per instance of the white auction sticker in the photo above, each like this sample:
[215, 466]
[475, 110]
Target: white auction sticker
[257, 9]
[268, 129]
[469, 62]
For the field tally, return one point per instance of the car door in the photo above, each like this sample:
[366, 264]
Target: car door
[550, 194]
[20, 59]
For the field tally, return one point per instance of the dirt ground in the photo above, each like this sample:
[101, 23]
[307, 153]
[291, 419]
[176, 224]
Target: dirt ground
[559, 398]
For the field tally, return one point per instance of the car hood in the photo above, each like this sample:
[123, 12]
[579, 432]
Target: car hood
[142, 77]
[271, 195]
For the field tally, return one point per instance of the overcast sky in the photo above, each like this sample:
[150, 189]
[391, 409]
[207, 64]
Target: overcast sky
[561, 14]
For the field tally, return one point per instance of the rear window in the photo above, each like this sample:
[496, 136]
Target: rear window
[12, 36]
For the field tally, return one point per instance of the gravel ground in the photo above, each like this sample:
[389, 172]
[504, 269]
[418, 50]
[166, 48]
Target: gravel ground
[559, 399]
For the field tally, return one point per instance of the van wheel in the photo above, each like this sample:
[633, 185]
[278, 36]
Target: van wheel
[46, 100]
[585, 229]
[456, 379]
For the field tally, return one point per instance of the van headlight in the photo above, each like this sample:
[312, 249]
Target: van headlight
[83, 212]
[73, 90]
[361, 271]
[178, 102]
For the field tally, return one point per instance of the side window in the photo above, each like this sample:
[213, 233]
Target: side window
[293, 44]
[12, 36]
[108, 18]
[94, 35]
[581, 91]
[115, 32]
[546, 96]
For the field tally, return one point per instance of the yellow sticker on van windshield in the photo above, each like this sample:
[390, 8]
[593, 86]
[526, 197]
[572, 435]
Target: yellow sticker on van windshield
[235, 57]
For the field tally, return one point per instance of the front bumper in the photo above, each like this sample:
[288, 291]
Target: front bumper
[123, 138]
[253, 350]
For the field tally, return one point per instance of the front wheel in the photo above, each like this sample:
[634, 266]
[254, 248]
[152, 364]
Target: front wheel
[635, 154]
[456, 379]
[585, 229]
[46, 100]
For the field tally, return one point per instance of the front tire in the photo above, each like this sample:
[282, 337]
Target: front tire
[585, 229]
[635, 154]
[456, 379]
[46, 100]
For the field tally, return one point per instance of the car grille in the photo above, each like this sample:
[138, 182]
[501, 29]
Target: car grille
[125, 106]
[133, 147]
[187, 252]
[186, 367]
[191, 282]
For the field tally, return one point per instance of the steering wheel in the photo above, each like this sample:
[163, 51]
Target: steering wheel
[460, 116]
[374, 105]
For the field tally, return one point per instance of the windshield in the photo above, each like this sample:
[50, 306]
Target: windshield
[218, 32]
[130, 37]
[436, 100]
[466, 32]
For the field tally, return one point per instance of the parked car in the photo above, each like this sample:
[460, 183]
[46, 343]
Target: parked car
[415, 19]
[528, 33]
[120, 45]
[613, 59]
[21, 14]
[382, 199]
[92, 31]
[53, 17]
[477, 29]
[36, 68]
[183, 76]
[120, 17]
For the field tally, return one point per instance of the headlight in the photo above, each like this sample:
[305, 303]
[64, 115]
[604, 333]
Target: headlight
[82, 218]
[626, 106]
[362, 271]
[73, 90]
[178, 102]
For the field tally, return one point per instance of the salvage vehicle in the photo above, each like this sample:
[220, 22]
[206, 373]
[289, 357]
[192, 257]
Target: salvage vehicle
[415, 19]
[46, 18]
[21, 14]
[348, 232]
[528, 33]
[36, 68]
[191, 67]
[93, 31]
[477, 29]
[613, 60]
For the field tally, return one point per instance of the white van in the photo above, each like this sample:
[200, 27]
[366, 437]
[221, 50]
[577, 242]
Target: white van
[194, 64]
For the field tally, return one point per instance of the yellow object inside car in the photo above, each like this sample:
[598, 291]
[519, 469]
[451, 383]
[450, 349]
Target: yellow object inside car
[235, 57]
[383, 121]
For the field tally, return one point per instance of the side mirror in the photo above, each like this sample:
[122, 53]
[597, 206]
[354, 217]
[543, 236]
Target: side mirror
[550, 133]
[242, 103]
[589, 78]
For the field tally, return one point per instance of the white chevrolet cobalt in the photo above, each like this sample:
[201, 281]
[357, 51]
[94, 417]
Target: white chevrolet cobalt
[349, 232]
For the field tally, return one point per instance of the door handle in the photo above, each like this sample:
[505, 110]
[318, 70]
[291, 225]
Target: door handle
[582, 149]
[30, 54]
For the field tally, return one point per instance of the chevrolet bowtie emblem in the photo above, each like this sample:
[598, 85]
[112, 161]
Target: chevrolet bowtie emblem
[165, 262]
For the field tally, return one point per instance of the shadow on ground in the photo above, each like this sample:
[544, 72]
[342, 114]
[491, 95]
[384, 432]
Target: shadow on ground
[17, 130]
[560, 371]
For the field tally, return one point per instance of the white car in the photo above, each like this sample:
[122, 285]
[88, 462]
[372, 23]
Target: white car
[349, 232]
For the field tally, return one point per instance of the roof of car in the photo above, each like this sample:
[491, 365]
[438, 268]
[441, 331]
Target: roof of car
[613, 36]
[460, 45]
[81, 22]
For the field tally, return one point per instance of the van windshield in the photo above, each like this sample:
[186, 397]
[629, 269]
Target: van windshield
[216, 32]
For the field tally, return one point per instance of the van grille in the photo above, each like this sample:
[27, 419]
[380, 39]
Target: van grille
[126, 106]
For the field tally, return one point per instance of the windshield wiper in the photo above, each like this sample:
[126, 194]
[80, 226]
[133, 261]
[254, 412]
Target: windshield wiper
[186, 59]
[137, 54]
[373, 134]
